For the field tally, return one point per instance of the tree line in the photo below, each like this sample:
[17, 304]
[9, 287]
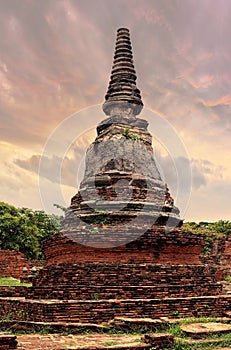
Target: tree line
[218, 228]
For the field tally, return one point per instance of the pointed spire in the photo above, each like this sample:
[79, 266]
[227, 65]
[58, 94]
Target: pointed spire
[123, 96]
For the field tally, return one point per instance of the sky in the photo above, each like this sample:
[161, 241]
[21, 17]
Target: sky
[55, 62]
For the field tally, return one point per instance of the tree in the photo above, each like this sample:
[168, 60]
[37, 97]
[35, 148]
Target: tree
[23, 229]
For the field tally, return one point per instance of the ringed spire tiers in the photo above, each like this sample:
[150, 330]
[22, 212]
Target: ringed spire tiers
[123, 96]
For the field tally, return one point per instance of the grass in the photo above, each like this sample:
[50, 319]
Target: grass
[129, 135]
[182, 341]
[12, 282]
[174, 328]
[109, 343]
[228, 279]
[218, 343]
[95, 296]
[98, 211]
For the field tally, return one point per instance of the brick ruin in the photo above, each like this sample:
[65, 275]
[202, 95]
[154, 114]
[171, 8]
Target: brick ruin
[13, 264]
[122, 250]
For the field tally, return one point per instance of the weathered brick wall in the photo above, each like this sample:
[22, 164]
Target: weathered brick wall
[114, 280]
[12, 263]
[18, 291]
[221, 255]
[91, 292]
[98, 311]
[177, 247]
[125, 274]
[124, 280]
[70, 292]
[226, 255]
[224, 272]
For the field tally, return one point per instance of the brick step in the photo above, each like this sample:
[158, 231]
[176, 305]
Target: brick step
[8, 341]
[105, 310]
[132, 346]
[52, 327]
[125, 274]
[122, 292]
[152, 323]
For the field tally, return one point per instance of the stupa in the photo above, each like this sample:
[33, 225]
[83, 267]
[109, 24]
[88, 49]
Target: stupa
[122, 194]
[123, 210]
[121, 251]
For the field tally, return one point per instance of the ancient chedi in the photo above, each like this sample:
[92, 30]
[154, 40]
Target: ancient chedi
[122, 190]
[114, 257]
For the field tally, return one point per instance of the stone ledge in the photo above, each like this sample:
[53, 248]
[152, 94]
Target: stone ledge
[159, 340]
[8, 341]
[199, 330]
[52, 327]
[105, 310]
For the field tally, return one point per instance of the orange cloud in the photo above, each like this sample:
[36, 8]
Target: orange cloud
[225, 100]
[202, 82]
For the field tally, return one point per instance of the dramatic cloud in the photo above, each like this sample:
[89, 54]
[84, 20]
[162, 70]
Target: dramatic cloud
[67, 170]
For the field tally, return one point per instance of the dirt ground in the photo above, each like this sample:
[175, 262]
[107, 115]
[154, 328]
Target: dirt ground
[58, 342]
[62, 342]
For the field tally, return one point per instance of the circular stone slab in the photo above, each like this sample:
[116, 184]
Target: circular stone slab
[200, 329]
